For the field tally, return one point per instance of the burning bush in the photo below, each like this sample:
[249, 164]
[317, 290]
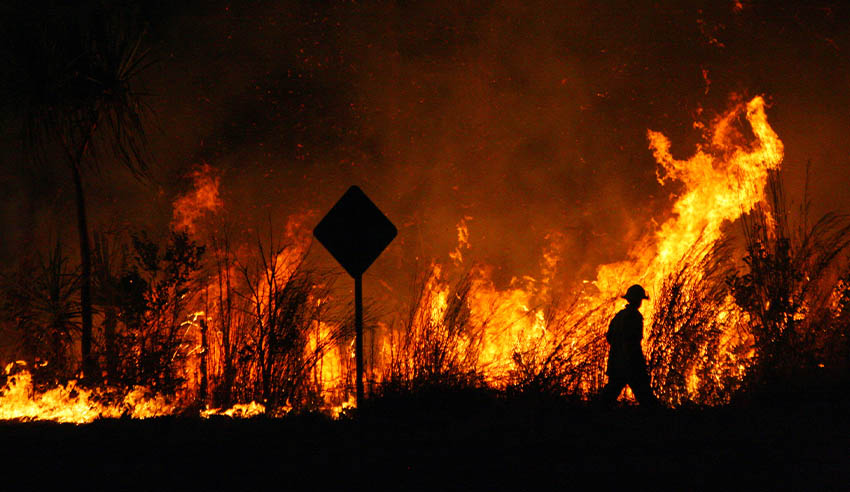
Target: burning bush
[566, 360]
[154, 303]
[255, 324]
[789, 290]
[694, 352]
[282, 304]
[437, 344]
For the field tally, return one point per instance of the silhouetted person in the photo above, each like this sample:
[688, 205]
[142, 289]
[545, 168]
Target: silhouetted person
[626, 365]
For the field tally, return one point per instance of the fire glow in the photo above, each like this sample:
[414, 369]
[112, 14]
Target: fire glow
[499, 333]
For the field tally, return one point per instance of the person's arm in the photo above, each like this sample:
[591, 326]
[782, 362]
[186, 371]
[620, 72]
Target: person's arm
[634, 333]
[612, 329]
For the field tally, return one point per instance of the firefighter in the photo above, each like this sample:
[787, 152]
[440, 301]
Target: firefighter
[626, 365]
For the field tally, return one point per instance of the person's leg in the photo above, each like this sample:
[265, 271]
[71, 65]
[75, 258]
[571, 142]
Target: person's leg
[612, 390]
[642, 390]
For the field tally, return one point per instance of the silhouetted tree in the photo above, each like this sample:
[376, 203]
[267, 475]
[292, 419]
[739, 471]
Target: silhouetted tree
[40, 300]
[75, 69]
[280, 298]
[224, 264]
[156, 291]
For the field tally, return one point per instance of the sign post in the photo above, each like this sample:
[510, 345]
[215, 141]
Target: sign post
[358, 336]
[355, 232]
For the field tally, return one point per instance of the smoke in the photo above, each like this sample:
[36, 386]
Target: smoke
[528, 119]
[199, 201]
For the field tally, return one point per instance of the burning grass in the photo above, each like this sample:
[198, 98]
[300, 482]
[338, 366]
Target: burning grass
[256, 330]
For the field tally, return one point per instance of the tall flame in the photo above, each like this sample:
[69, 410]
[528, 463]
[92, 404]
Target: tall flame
[496, 329]
[724, 179]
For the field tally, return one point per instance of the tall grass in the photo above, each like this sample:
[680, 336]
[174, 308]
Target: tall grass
[694, 347]
[564, 361]
[791, 288]
[435, 345]
[280, 300]
[775, 313]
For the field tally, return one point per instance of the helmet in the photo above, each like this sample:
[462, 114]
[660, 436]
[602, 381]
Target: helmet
[635, 293]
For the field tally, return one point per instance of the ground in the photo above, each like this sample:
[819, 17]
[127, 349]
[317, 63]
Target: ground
[449, 442]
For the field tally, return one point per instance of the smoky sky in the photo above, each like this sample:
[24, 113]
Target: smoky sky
[528, 118]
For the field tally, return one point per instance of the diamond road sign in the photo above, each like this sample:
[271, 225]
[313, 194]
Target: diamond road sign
[355, 232]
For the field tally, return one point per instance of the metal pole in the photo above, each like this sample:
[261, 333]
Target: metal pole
[358, 335]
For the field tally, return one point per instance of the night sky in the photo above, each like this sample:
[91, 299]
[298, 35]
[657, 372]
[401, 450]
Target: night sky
[529, 118]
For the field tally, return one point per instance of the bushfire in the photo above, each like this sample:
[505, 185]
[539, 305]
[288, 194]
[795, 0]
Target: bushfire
[245, 329]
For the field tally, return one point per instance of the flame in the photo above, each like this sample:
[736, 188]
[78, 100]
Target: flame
[202, 199]
[498, 327]
[72, 404]
[239, 410]
[335, 411]
[510, 323]
[724, 179]
[462, 241]
[329, 373]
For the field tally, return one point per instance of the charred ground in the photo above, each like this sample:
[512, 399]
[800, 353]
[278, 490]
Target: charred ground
[456, 440]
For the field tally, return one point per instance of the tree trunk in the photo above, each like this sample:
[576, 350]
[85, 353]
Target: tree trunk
[89, 366]
[225, 311]
[229, 369]
[110, 338]
[204, 350]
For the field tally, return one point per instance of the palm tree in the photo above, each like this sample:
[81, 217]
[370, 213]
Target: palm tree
[76, 73]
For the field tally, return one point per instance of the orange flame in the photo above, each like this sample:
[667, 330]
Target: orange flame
[72, 404]
[724, 179]
[203, 198]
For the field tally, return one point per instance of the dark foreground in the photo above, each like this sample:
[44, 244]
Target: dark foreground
[466, 442]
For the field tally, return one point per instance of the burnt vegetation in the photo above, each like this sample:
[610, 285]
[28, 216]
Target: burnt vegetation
[210, 327]
[256, 341]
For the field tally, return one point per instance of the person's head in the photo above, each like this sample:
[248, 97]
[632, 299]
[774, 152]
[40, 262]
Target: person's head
[635, 295]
